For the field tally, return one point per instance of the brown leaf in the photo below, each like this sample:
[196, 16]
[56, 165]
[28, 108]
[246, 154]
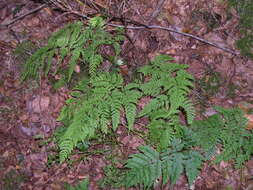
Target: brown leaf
[250, 121]
[40, 104]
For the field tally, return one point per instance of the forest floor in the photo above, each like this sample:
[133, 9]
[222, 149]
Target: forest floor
[28, 111]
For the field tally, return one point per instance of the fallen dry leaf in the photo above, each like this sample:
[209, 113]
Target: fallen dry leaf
[246, 108]
[40, 104]
[250, 121]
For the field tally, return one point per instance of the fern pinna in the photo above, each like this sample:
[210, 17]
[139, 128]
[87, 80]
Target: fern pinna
[95, 110]
[75, 43]
[168, 86]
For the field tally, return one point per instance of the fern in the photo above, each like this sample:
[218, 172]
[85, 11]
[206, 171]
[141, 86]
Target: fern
[172, 83]
[78, 43]
[169, 85]
[95, 110]
[227, 128]
[106, 97]
[149, 165]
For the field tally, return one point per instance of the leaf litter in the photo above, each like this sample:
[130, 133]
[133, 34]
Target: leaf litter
[28, 111]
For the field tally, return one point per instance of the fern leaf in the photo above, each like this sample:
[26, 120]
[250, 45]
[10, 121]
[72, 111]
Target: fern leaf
[193, 164]
[184, 80]
[144, 167]
[116, 102]
[176, 100]
[66, 147]
[166, 138]
[94, 61]
[177, 167]
[104, 116]
[189, 110]
[49, 61]
[131, 86]
[161, 59]
[154, 104]
[75, 33]
[130, 114]
[73, 61]
[152, 87]
[63, 53]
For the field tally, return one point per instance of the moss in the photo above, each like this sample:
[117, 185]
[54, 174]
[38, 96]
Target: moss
[244, 9]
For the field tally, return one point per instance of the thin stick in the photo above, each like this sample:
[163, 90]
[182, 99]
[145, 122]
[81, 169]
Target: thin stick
[178, 32]
[24, 15]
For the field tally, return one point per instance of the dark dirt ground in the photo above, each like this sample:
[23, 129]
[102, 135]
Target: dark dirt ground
[30, 109]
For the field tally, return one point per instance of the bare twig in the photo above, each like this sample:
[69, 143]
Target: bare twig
[178, 32]
[23, 16]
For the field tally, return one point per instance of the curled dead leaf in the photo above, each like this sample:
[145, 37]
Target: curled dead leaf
[246, 108]
[40, 104]
[250, 121]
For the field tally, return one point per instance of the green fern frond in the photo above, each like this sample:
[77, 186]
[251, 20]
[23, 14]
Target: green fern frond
[130, 114]
[152, 88]
[130, 99]
[144, 167]
[154, 105]
[149, 165]
[116, 104]
[189, 111]
[74, 40]
[193, 162]
[73, 61]
[160, 133]
[107, 80]
[227, 128]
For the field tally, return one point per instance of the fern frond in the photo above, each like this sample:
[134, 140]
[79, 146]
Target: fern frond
[193, 162]
[78, 42]
[176, 100]
[189, 111]
[73, 61]
[184, 81]
[145, 168]
[116, 103]
[130, 109]
[152, 87]
[228, 129]
[160, 133]
[95, 60]
[129, 101]
[154, 105]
